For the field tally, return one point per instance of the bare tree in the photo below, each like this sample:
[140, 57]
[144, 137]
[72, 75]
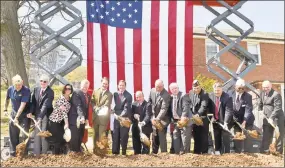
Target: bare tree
[11, 38]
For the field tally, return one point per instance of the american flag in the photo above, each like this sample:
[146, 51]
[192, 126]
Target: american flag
[139, 42]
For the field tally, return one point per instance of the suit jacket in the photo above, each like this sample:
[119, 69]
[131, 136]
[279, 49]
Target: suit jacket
[199, 104]
[144, 115]
[271, 104]
[99, 101]
[243, 110]
[160, 106]
[225, 107]
[181, 112]
[41, 106]
[79, 106]
[123, 107]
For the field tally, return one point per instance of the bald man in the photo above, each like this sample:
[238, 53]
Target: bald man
[140, 115]
[270, 103]
[159, 99]
[179, 108]
[242, 106]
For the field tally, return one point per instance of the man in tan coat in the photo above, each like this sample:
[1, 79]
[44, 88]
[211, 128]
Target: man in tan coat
[102, 100]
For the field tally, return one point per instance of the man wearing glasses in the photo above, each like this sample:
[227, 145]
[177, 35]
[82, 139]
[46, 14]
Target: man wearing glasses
[19, 96]
[221, 106]
[242, 106]
[41, 107]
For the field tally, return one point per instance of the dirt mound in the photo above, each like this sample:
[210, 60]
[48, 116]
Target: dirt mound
[161, 160]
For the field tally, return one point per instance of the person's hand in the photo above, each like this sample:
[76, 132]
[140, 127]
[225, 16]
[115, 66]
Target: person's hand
[142, 123]
[62, 107]
[137, 116]
[29, 115]
[82, 120]
[243, 124]
[16, 121]
[116, 117]
[5, 112]
[153, 122]
[196, 115]
[65, 126]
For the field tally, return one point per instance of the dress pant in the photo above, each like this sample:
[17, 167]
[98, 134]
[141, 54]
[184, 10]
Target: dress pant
[239, 146]
[182, 139]
[138, 146]
[200, 135]
[14, 133]
[76, 137]
[159, 140]
[222, 139]
[120, 137]
[40, 143]
[267, 137]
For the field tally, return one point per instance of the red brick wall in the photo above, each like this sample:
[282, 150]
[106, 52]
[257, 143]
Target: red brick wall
[271, 68]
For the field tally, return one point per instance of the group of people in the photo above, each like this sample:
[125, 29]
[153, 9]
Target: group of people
[70, 111]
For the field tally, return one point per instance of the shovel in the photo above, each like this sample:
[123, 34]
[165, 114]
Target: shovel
[42, 133]
[245, 130]
[144, 139]
[211, 128]
[221, 125]
[20, 148]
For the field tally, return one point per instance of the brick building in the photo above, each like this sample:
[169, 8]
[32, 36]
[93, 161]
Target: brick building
[267, 47]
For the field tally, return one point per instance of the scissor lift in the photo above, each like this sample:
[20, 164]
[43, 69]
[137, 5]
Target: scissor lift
[247, 60]
[75, 58]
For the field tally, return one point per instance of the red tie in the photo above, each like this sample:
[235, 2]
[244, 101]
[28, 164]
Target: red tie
[120, 97]
[217, 108]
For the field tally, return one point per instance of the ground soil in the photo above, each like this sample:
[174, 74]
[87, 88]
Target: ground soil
[159, 160]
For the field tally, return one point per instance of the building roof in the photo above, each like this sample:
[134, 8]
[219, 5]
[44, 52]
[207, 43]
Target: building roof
[200, 31]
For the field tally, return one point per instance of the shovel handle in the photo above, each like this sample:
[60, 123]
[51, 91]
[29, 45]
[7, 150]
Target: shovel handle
[17, 125]
[36, 124]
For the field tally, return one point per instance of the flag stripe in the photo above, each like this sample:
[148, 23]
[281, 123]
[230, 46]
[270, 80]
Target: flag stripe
[172, 41]
[180, 22]
[105, 52]
[163, 42]
[188, 45]
[137, 57]
[90, 54]
[129, 75]
[120, 43]
[155, 6]
[112, 58]
[97, 55]
[146, 53]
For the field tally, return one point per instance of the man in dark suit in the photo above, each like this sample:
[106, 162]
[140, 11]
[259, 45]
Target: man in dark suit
[78, 115]
[179, 109]
[123, 108]
[221, 106]
[271, 105]
[140, 116]
[242, 106]
[159, 99]
[41, 107]
[199, 107]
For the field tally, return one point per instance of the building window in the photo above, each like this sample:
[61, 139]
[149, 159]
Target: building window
[254, 49]
[211, 49]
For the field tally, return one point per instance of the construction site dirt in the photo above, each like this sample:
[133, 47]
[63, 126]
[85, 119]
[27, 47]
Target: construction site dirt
[159, 160]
